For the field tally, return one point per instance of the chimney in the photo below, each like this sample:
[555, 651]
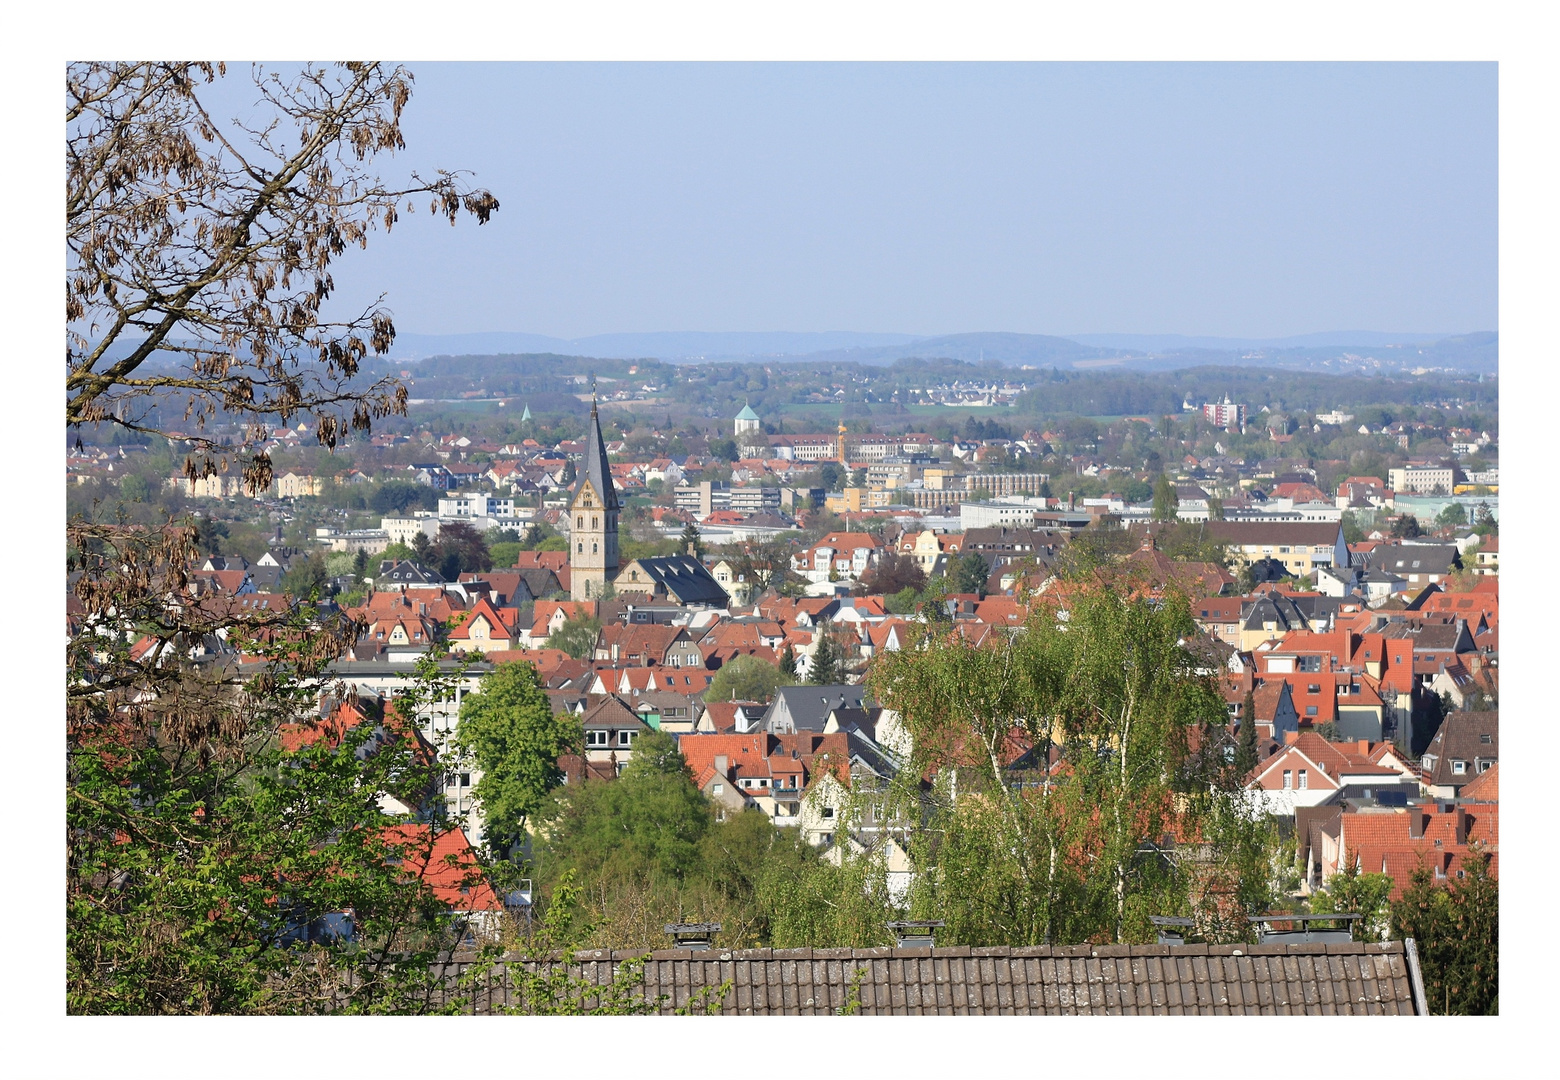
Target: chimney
[693, 936]
[916, 934]
[1460, 825]
[1364, 746]
[1416, 823]
[722, 763]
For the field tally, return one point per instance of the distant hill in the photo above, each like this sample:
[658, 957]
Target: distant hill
[1353, 351]
[670, 345]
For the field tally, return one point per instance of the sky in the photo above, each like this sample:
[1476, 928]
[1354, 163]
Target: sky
[1243, 200]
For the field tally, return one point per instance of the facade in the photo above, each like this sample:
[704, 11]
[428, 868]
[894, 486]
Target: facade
[1300, 546]
[1433, 481]
[747, 422]
[1225, 414]
[292, 485]
[469, 506]
[593, 514]
[403, 530]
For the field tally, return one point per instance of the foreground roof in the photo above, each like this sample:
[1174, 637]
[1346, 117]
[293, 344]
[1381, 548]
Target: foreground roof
[1353, 978]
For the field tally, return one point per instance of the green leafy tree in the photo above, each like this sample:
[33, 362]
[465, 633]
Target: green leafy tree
[1366, 895]
[133, 488]
[305, 577]
[511, 734]
[968, 574]
[504, 553]
[645, 826]
[398, 551]
[1068, 853]
[745, 678]
[893, 573]
[460, 550]
[1452, 514]
[814, 902]
[577, 636]
[200, 844]
[1456, 930]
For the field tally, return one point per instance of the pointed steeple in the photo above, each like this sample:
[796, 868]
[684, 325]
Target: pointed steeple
[596, 470]
[526, 416]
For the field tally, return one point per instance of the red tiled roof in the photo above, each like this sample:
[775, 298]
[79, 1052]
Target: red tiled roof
[447, 863]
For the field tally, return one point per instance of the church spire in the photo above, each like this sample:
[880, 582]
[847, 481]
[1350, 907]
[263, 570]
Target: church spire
[596, 469]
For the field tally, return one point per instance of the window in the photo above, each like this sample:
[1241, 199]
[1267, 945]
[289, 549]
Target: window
[1304, 779]
[596, 738]
[593, 549]
[828, 812]
[581, 548]
[1485, 739]
[1313, 688]
[718, 789]
[626, 738]
[579, 522]
[1459, 768]
[1310, 710]
[1288, 780]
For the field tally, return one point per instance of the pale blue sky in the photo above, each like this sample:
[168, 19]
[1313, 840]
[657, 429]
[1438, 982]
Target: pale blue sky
[1256, 200]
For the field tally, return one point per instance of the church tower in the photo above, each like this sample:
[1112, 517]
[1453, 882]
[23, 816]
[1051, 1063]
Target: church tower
[593, 524]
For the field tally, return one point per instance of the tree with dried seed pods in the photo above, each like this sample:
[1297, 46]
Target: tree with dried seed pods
[199, 251]
[243, 834]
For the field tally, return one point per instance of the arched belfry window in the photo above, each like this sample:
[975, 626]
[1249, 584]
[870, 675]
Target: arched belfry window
[593, 549]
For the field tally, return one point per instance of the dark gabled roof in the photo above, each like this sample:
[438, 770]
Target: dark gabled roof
[1274, 532]
[1461, 738]
[1433, 636]
[609, 710]
[1409, 559]
[406, 572]
[596, 468]
[1350, 978]
[683, 577]
[808, 707]
[541, 581]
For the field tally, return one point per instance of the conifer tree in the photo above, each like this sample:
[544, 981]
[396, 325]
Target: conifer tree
[826, 660]
[1246, 753]
[788, 662]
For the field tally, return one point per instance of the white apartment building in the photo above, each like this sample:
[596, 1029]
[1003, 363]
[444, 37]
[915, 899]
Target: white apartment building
[1421, 481]
[476, 506]
[403, 530]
